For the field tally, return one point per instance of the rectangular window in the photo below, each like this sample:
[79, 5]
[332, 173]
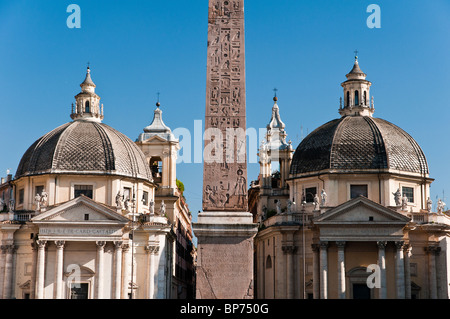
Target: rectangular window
[310, 193]
[38, 189]
[358, 190]
[21, 196]
[409, 193]
[86, 216]
[126, 193]
[86, 190]
[79, 291]
[145, 198]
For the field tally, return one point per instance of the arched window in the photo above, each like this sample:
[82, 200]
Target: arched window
[268, 262]
[87, 108]
[365, 98]
[348, 98]
[356, 97]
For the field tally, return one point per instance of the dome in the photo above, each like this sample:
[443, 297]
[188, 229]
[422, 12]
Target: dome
[359, 143]
[84, 147]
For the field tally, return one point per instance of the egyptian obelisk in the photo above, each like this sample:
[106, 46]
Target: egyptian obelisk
[225, 228]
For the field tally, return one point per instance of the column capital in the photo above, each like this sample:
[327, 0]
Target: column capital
[100, 244]
[323, 245]
[289, 249]
[41, 243]
[125, 247]
[118, 244]
[407, 247]
[9, 249]
[60, 244]
[315, 247]
[381, 244]
[341, 244]
[435, 250]
[399, 244]
[152, 249]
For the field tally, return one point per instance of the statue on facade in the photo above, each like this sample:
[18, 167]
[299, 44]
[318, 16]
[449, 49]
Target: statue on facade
[12, 203]
[152, 207]
[324, 197]
[264, 212]
[162, 208]
[44, 199]
[316, 202]
[119, 201]
[440, 206]
[404, 202]
[397, 197]
[289, 206]
[127, 204]
[37, 200]
[278, 207]
[429, 204]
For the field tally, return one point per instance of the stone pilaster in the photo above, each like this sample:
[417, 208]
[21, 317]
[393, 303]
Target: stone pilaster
[59, 268]
[151, 250]
[34, 249]
[2, 268]
[117, 269]
[406, 255]
[432, 273]
[8, 280]
[400, 270]
[99, 272]
[324, 270]
[341, 269]
[382, 264]
[289, 251]
[126, 270]
[40, 271]
[316, 271]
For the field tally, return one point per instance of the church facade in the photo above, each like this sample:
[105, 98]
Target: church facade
[348, 215]
[90, 218]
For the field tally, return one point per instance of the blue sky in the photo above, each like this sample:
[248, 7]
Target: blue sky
[303, 48]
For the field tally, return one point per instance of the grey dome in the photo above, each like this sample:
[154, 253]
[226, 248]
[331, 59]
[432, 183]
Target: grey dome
[84, 147]
[358, 143]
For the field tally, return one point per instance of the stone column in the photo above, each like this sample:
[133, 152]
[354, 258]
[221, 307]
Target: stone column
[117, 269]
[151, 251]
[290, 282]
[34, 249]
[126, 270]
[316, 271]
[382, 265]
[400, 270]
[341, 269]
[40, 271]
[406, 254]
[7, 282]
[431, 250]
[99, 271]
[439, 274]
[323, 270]
[59, 268]
[2, 268]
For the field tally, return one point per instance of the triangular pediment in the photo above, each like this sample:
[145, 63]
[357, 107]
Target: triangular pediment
[81, 209]
[361, 210]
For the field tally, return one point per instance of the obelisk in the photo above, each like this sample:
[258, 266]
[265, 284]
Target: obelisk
[225, 228]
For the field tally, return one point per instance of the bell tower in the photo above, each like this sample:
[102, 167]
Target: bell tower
[87, 106]
[356, 100]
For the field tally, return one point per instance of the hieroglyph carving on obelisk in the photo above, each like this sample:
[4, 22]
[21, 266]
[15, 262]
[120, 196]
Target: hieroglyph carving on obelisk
[225, 162]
